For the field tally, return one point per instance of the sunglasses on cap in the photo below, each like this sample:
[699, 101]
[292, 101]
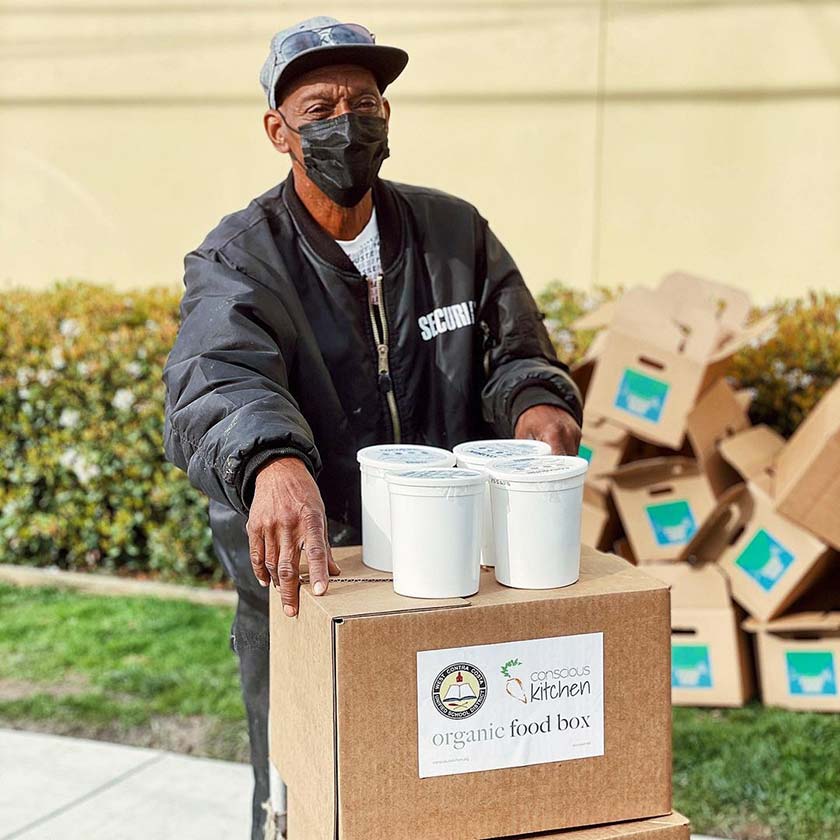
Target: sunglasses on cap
[334, 35]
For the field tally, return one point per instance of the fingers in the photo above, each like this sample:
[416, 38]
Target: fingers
[317, 551]
[572, 437]
[288, 572]
[552, 425]
[256, 547]
[272, 549]
[553, 437]
[275, 557]
[332, 566]
[563, 437]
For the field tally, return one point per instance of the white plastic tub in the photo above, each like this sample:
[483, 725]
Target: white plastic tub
[374, 463]
[436, 518]
[537, 504]
[477, 455]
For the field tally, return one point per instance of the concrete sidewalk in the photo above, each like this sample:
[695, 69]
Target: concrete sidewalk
[53, 787]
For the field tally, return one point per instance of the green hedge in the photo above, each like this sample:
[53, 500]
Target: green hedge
[790, 373]
[83, 481]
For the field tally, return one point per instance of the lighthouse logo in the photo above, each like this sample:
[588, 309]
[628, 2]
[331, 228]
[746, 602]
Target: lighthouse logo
[459, 691]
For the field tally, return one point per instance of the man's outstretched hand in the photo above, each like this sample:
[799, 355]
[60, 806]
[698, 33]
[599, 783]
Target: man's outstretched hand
[551, 424]
[287, 515]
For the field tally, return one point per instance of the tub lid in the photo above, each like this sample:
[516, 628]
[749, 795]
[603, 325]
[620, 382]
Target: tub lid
[437, 477]
[398, 456]
[539, 467]
[481, 451]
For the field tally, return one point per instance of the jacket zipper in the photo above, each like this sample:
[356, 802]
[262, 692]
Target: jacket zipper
[376, 304]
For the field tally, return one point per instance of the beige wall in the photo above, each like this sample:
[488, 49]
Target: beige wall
[606, 142]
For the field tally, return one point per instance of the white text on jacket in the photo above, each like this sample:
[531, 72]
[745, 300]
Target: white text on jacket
[446, 318]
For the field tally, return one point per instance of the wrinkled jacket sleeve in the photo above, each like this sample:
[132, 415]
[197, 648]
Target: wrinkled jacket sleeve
[521, 365]
[228, 405]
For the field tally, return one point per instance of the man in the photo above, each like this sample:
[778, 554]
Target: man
[336, 311]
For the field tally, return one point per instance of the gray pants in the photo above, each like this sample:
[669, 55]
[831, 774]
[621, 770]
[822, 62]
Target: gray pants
[249, 639]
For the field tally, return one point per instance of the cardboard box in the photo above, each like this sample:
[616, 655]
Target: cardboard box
[711, 660]
[581, 373]
[605, 446]
[599, 519]
[719, 414]
[621, 548]
[596, 319]
[745, 397]
[801, 475]
[661, 503]
[752, 453]
[807, 488]
[769, 561]
[664, 348]
[673, 826]
[799, 660]
[378, 738]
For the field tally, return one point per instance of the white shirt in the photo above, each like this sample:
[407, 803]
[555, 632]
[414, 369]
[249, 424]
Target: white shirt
[363, 251]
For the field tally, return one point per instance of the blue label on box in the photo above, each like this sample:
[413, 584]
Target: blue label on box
[641, 395]
[811, 673]
[672, 522]
[764, 559]
[690, 666]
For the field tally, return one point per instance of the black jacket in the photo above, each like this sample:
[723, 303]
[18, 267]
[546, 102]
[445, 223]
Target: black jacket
[276, 351]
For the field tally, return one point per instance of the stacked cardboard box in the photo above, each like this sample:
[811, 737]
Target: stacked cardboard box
[741, 524]
[499, 715]
[711, 662]
[654, 390]
[780, 533]
[663, 349]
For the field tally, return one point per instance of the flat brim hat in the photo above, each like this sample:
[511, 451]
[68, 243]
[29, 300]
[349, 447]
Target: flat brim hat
[283, 65]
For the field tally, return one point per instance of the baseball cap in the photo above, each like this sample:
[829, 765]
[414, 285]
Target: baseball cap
[321, 41]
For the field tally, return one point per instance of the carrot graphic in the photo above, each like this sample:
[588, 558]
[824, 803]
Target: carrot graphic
[513, 686]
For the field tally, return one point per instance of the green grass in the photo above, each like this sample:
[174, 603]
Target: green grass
[758, 773]
[121, 668]
[141, 669]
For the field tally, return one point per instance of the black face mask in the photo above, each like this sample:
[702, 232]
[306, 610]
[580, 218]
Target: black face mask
[342, 155]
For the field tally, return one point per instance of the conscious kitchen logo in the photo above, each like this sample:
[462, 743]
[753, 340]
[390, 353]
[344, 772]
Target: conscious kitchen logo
[550, 684]
[513, 686]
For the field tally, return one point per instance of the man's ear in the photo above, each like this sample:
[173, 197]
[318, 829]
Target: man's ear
[386, 106]
[273, 124]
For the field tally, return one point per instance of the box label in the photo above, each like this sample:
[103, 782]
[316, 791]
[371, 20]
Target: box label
[511, 704]
[641, 395]
[811, 673]
[690, 666]
[764, 559]
[672, 523]
[585, 451]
